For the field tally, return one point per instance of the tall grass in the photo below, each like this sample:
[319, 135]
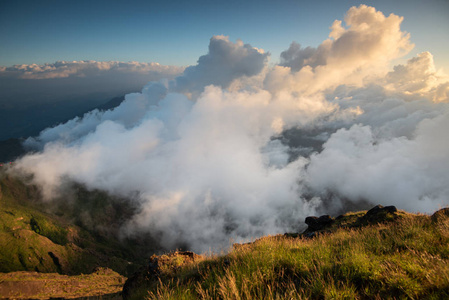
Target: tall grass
[407, 258]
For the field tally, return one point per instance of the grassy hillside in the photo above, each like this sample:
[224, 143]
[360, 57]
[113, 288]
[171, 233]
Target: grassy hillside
[382, 253]
[62, 237]
[355, 256]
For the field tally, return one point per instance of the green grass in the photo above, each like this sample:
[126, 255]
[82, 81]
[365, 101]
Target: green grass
[41, 236]
[44, 227]
[405, 258]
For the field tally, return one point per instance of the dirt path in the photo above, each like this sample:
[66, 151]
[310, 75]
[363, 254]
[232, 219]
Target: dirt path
[102, 284]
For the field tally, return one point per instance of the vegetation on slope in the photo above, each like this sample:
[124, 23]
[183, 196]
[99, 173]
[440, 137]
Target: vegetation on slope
[385, 255]
[382, 253]
[61, 236]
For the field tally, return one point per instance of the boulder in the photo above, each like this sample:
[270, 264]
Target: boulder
[320, 223]
[381, 209]
[379, 214]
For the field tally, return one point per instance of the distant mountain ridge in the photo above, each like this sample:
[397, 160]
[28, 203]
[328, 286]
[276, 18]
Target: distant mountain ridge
[113, 103]
[11, 148]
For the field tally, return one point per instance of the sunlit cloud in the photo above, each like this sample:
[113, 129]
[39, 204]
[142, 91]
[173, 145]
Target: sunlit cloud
[235, 148]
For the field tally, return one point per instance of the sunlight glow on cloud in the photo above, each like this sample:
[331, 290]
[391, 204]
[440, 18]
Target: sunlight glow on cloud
[234, 148]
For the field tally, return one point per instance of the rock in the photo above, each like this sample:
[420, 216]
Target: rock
[379, 208]
[375, 210]
[320, 223]
[391, 209]
[379, 214]
[323, 224]
[311, 220]
[325, 220]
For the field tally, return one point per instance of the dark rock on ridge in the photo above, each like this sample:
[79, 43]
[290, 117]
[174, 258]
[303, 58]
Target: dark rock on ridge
[379, 214]
[379, 208]
[325, 223]
[319, 223]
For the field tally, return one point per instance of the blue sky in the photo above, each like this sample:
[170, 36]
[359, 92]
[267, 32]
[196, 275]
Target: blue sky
[178, 32]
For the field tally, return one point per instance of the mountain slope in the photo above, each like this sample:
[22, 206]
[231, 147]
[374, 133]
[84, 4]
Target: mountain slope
[50, 237]
[382, 253]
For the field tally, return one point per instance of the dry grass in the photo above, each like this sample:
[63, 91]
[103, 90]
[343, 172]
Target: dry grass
[104, 284]
[405, 258]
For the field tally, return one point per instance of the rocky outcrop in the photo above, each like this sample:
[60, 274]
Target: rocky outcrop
[379, 209]
[317, 225]
[325, 223]
[379, 214]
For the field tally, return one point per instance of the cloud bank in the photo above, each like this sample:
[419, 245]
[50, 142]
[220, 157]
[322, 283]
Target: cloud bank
[86, 68]
[23, 86]
[52, 93]
[233, 148]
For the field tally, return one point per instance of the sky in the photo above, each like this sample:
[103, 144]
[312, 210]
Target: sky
[156, 31]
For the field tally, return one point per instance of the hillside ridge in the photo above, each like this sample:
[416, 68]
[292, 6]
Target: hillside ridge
[59, 236]
[375, 254]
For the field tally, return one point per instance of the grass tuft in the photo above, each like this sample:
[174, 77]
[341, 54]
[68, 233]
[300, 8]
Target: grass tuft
[405, 257]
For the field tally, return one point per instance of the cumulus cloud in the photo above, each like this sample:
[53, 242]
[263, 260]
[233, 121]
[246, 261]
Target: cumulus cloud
[225, 62]
[296, 57]
[410, 173]
[362, 49]
[419, 78]
[235, 149]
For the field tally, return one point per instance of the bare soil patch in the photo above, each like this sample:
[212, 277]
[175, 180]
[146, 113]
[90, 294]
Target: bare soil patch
[102, 284]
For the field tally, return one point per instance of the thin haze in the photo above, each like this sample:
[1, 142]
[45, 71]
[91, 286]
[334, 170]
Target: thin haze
[235, 148]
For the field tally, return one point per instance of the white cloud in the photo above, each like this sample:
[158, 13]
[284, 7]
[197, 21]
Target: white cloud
[419, 78]
[89, 68]
[410, 173]
[362, 49]
[209, 154]
[225, 62]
